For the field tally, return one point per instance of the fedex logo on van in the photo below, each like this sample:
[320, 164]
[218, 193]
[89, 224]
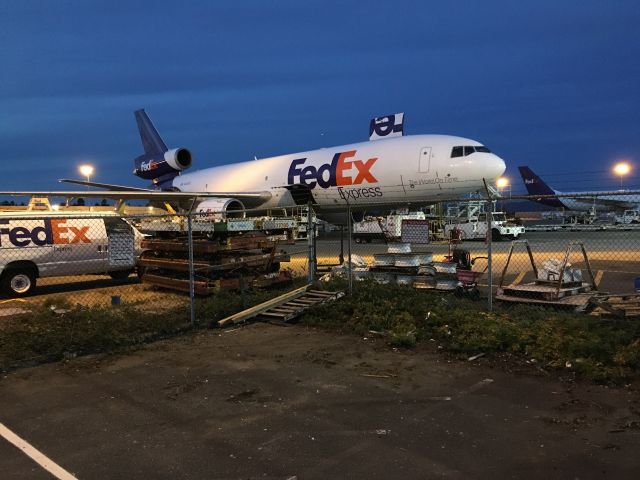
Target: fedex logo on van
[53, 231]
[341, 171]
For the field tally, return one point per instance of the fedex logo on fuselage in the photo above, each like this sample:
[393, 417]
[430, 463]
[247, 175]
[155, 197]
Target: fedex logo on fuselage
[53, 231]
[342, 171]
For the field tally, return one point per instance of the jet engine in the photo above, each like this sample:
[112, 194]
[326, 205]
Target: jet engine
[178, 158]
[220, 209]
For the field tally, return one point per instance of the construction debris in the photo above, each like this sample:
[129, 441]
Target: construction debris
[285, 307]
[619, 306]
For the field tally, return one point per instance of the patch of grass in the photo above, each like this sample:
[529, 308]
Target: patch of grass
[58, 329]
[596, 349]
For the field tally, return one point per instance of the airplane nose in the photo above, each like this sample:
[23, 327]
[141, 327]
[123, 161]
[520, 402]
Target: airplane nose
[498, 166]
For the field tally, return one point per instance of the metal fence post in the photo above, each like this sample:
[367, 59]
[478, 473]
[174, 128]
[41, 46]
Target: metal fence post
[341, 257]
[490, 254]
[350, 237]
[192, 293]
[310, 243]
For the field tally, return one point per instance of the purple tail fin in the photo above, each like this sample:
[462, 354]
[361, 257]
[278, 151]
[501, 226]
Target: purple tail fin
[158, 163]
[536, 186]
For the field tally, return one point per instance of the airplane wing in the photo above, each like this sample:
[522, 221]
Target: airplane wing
[106, 186]
[610, 202]
[141, 194]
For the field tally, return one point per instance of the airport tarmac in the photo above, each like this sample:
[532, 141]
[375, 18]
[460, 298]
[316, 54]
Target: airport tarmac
[263, 401]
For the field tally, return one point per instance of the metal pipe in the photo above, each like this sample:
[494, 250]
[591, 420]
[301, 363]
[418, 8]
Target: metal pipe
[350, 234]
[341, 258]
[490, 255]
[310, 239]
[192, 292]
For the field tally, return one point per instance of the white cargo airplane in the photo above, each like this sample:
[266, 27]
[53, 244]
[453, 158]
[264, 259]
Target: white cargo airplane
[387, 170]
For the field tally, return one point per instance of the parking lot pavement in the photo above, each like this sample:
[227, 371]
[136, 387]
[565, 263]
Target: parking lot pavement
[264, 401]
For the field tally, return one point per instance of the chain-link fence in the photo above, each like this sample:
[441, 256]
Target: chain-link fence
[485, 249]
[196, 267]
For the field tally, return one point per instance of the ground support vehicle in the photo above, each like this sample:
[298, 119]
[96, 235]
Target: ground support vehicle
[56, 244]
[628, 217]
[387, 229]
[475, 228]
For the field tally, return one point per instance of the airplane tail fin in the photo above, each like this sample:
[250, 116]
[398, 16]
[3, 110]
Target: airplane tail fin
[158, 163]
[151, 140]
[536, 186]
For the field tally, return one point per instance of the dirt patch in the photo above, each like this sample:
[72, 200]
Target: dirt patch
[263, 401]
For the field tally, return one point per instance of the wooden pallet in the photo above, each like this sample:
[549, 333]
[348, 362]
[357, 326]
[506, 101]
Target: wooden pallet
[577, 302]
[536, 291]
[285, 307]
[622, 306]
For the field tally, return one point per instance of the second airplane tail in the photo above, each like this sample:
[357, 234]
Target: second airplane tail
[536, 186]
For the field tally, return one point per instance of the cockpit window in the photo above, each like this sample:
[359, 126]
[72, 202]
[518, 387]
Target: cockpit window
[456, 152]
[468, 150]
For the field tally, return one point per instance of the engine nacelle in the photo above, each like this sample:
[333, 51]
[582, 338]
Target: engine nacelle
[220, 209]
[162, 168]
[178, 158]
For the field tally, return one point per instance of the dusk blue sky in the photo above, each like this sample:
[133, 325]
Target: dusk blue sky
[550, 84]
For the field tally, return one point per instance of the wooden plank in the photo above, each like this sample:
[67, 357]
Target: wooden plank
[263, 307]
[306, 301]
[200, 288]
[316, 295]
[251, 261]
[181, 265]
[271, 313]
[284, 309]
[320, 293]
[294, 308]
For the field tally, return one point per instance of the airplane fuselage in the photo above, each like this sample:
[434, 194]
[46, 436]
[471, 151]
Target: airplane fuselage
[412, 169]
[602, 202]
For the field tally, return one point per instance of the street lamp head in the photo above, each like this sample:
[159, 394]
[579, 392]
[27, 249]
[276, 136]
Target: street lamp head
[622, 168]
[502, 182]
[86, 170]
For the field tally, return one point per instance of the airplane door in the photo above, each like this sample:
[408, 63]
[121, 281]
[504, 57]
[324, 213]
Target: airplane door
[425, 160]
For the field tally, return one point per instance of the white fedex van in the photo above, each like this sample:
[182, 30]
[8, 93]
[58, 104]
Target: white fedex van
[51, 244]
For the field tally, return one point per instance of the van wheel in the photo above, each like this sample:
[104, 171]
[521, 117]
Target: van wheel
[18, 283]
[120, 274]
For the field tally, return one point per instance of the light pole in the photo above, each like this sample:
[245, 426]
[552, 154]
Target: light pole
[621, 169]
[86, 171]
[501, 184]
